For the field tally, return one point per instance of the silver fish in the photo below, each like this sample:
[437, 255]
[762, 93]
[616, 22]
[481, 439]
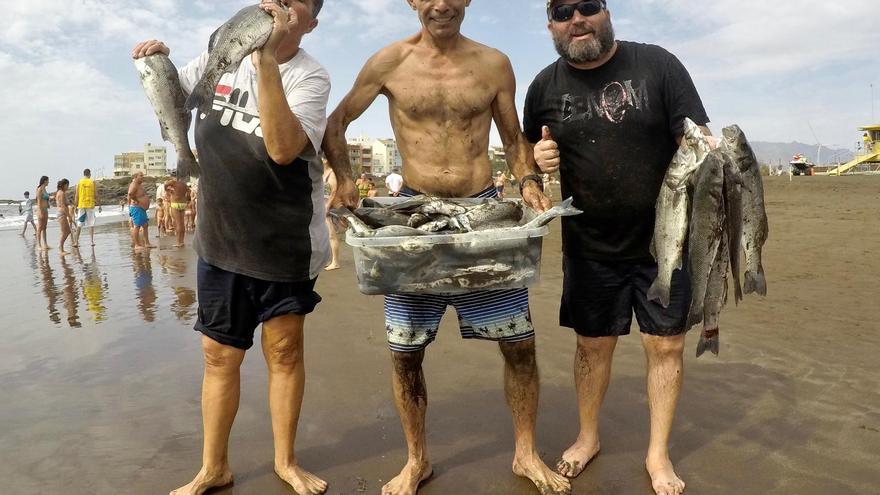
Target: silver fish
[396, 231]
[380, 217]
[440, 207]
[755, 228]
[489, 213]
[705, 230]
[246, 31]
[356, 223]
[716, 298]
[733, 211]
[160, 81]
[671, 221]
[563, 209]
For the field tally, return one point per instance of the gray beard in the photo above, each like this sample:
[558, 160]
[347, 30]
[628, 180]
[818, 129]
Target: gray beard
[582, 52]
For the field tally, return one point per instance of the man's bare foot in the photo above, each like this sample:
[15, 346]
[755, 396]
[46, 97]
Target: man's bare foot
[576, 458]
[332, 266]
[409, 479]
[204, 482]
[663, 477]
[302, 481]
[63, 252]
[178, 245]
[546, 481]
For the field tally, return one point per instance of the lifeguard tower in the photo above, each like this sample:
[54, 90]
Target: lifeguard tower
[870, 152]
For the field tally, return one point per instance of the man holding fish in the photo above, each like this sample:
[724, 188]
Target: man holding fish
[444, 92]
[256, 151]
[608, 115]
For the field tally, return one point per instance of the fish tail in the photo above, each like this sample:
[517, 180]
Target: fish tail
[755, 282]
[659, 292]
[187, 166]
[202, 96]
[707, 344]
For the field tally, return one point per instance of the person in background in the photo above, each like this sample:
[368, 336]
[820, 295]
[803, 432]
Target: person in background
[363, 186]
[161, 217]
[26, 208]
[85, 199]
[394, 182]
[499, 184]
[63, 213]
[333, 224]
[372, 191]
[42, 213]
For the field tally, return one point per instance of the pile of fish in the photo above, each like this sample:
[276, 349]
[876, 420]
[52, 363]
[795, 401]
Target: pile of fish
[426, 215]
[429, 245]
[709, 210]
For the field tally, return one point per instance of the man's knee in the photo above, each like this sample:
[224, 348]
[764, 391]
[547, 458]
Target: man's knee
[220, 357]
[407, 362]
[284, 352]
[520, 356]
[664, 347]
[596, 346]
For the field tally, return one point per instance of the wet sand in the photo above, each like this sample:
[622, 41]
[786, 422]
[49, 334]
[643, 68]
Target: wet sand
[101, 373]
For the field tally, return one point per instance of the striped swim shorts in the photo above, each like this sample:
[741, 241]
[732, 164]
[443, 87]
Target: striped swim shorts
[412, 320]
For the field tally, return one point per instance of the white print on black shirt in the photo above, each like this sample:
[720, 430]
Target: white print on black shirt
[233, 103]
[612, 102]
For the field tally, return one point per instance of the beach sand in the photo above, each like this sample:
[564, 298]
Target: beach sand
[101, 373]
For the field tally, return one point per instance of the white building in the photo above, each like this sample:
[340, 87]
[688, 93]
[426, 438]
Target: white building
[386, 156]
[153, 162]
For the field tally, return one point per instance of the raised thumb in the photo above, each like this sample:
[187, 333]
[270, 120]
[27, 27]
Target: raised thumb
[545, 134]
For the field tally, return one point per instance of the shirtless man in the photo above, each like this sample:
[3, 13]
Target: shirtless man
[444, 90]
[179, 200]
[138, 203]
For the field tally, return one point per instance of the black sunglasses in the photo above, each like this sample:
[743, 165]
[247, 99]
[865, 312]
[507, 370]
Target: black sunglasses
[564, 12]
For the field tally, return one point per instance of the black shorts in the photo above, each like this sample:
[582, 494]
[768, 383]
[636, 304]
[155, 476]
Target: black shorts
[231, 306]
[599, 298]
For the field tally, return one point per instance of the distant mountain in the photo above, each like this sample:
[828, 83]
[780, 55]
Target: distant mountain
[782, 152]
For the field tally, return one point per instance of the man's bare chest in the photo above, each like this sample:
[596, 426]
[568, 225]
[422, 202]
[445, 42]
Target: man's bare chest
[421, 91]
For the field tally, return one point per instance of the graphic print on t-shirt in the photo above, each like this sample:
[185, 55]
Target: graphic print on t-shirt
[233, 104]
[612, 102]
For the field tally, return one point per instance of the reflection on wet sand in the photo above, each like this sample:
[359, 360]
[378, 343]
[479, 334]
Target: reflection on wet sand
[77, 288]
[94, 288]
[71, 295]
[143, 282]
[48, 285]
[183, 306]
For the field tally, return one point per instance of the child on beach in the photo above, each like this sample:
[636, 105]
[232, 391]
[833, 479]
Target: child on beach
[160, 216]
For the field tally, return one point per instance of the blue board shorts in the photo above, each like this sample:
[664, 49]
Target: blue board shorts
[138, 216]
[412, 320]
[231, 305]
[600, 297]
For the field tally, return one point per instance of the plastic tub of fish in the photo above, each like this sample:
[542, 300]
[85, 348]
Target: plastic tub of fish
[504, 257]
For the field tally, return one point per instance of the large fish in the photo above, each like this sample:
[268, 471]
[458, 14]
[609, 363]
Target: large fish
[246, 31]
[672, 210]
[563, 209]
[733, 212]
[378, 217]
[491, 213]
[162, 85]
[705, 230]
[716, 298]
[755, 229]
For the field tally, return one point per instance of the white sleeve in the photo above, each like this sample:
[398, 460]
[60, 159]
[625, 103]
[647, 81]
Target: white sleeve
[191, 73]
[308, 101]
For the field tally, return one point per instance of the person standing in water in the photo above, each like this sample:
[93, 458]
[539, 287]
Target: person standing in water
[63, 213]
[42, 213]
[27, 209]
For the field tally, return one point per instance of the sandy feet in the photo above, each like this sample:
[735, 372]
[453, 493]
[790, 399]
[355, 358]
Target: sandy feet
[663, 477]
[332, 266]
[545, 479]
[576, 458]
[302, 481]
[407, 482]
[204, 482]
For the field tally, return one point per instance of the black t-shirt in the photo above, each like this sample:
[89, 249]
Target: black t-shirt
[616, 127]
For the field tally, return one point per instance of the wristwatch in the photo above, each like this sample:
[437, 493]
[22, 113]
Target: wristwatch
[533, 177]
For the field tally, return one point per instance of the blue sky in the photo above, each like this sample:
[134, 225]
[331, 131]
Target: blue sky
[776, 68]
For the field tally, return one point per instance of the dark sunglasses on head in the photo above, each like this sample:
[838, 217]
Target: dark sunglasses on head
[564, 12]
